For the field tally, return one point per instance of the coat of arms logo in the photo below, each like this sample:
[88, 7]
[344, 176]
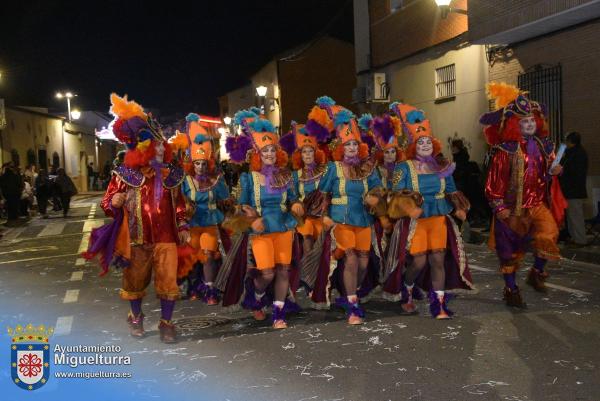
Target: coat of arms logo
[30, 355]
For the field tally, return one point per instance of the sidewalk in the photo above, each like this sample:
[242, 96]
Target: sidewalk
[586, 254]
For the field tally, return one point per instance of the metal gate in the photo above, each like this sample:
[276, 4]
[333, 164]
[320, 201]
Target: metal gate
[544, 85]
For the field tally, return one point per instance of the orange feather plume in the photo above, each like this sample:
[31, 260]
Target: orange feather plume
[502, 93]
[125, 109]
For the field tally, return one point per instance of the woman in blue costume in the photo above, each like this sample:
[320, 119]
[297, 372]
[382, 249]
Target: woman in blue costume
[350, 183]
[206, 195]
[268, 199]
[436, 255]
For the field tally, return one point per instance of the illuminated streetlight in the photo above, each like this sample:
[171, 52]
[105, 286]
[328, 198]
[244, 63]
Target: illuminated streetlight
[68, 95]
[261, 90]
[445, 8]
[75, 114]
[227, 120]
[221, 130]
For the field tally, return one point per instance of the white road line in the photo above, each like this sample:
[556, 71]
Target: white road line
[5, 262]
[13, 233]
[567, 289]
[80, 262]
[71, 296]
[52, 229]
[63, 326]
[90, 224]
[549, 285]
[77, 275]
[479, 268]
[84, 242]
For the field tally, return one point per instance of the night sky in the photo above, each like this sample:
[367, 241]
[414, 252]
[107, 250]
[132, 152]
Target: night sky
[177, 56]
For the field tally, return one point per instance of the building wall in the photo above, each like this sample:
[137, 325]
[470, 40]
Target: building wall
[268, 76]
[325, 68]
[417, 26]
[577, 50]
[26, 131]
[413, 81]
[240, 98]
[487, 17]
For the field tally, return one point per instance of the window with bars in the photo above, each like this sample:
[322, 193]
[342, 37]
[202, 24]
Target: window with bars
[445, 82]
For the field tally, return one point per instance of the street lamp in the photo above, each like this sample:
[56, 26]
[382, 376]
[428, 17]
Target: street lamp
[261, 90]
[68, 96]
[227, 120]
[75, 114]
[445, 8]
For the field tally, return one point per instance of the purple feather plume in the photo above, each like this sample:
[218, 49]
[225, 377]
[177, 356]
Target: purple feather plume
[368, 139]
[491, 118]
[288, 142]
[383, 128]
[317, 130]
[237, 147]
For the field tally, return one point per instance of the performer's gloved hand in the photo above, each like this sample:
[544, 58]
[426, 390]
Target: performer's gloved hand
[249, 211]
[556, 170]
[503, 214]
[327, 222]
[461, 215]
[258, 225]
[298, 209]
[371, 200]
[118, 200]
[184, 236]
[415, 213]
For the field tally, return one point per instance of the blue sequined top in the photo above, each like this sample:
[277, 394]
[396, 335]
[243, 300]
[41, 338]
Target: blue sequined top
[207, 213]
[347, 204]
[432, 188]
[272, 207]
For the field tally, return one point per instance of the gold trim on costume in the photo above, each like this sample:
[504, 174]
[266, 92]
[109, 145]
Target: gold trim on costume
[414, 176]
[520, 175]
[138, 214]
[256, 182]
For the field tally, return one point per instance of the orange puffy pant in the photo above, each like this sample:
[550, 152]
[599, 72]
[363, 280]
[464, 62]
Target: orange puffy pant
[430, 235]
[271, 249]
[160, 258]
[312, 226]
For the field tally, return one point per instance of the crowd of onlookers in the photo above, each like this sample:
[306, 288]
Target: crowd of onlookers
[24, 193]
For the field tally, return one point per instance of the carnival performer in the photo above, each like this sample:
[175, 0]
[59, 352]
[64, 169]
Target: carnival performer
[144, 198]
[520, 187]
[436, 257]
[351, 183]
[309, 164]
[208, 196]
[268, 198]
[384, 135]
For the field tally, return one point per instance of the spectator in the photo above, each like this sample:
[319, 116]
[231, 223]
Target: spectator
[468, 179]
[43, 191]
[106, 172]
[91, 176]
[11, 185]
[572, 183]
[119, 159]
[66, 189]
[26, 196]
[30, 173]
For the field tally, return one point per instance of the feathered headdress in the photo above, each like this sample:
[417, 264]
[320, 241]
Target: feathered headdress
[256, 133]
[411, 120]
[296, 139]
[135, 129]
[512, 104]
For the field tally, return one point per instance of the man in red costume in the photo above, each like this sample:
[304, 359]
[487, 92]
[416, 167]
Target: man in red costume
[145, 201]
[518, 187]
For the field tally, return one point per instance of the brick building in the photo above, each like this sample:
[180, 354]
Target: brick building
[295, 79]
[425, 59]
[551, 48]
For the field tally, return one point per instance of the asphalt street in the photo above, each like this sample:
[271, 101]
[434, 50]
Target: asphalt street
[548, 351]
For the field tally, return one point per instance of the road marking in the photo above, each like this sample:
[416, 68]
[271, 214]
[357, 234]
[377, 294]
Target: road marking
[479, 268]
[549, 285]
[52, 229]
[33, 249]
[90, 224]
[40, 258]
[80, 262]
[567, 289]
[63, 326]
[71, 296]
[13, 233]
[84, 242]
[77, 275]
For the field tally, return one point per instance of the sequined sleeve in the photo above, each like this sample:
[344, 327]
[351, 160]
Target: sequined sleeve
[115, 186]
[498, 178]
